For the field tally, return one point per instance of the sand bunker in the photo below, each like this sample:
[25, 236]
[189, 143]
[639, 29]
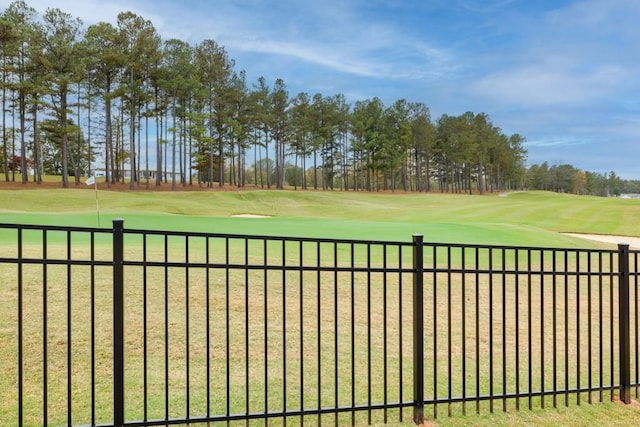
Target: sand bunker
[633, 242]
[246, 215]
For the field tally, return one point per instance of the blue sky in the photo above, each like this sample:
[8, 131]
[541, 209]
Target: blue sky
[564, 74]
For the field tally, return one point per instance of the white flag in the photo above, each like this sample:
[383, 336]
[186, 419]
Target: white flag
[91, 180]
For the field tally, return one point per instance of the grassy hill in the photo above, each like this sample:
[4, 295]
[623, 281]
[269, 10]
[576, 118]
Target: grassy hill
[527, 218]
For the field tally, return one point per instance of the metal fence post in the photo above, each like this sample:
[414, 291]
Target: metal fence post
[418, 330]
[118, 322]
[623, 322]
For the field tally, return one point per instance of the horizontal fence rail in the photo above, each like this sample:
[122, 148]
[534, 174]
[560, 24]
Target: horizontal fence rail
[143, 327]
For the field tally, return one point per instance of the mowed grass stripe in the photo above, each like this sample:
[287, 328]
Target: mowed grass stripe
[559, 212]
[517, 219]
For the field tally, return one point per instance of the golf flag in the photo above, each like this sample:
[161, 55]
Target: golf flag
[92, 181]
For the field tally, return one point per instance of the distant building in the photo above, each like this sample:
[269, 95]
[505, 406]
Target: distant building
[143, 174]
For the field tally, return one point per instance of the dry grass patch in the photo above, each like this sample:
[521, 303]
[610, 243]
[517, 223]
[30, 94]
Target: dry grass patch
[223, 338]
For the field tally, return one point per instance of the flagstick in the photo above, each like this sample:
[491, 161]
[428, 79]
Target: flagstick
[95, 185]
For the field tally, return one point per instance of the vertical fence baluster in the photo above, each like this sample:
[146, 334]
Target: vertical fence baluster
[418, 330]
[600, 328]
[400, 332]
[335, 330]
[516, 271]
[491, 330]
[530, 326]
[566, 328]
[623, 316]
[20, 334]
[187, 369]
[118, 323]
[477, 324]
[247, 402]
[463, 315]
[542, 334]
[166, 326]
[434, 318]
[449, 342]
[69, 324]
[384, 330]
[284, 331]
[208, 321]
[301, 315]
[578, 327]
[319, 328]
[145, 337]
[504, 330]
[45, 333]
[353, 336]
[555, 333]
[265, 279]
[93, 329]
[369, 371]
[612, 372]
[589, 328]
[227, 328]
[635, 317]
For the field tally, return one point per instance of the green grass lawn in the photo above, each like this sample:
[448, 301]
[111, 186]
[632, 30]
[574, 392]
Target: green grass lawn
[517, 219]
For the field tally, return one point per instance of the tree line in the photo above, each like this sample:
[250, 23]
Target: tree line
[566, 178]
[154, 111]
[150, 111]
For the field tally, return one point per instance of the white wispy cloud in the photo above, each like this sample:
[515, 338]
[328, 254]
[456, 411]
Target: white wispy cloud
[544, 85]
[331, 36]
[558, 142]
[575, 55]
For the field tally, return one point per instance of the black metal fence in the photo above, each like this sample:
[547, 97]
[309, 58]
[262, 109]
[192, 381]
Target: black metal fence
[140, 327]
